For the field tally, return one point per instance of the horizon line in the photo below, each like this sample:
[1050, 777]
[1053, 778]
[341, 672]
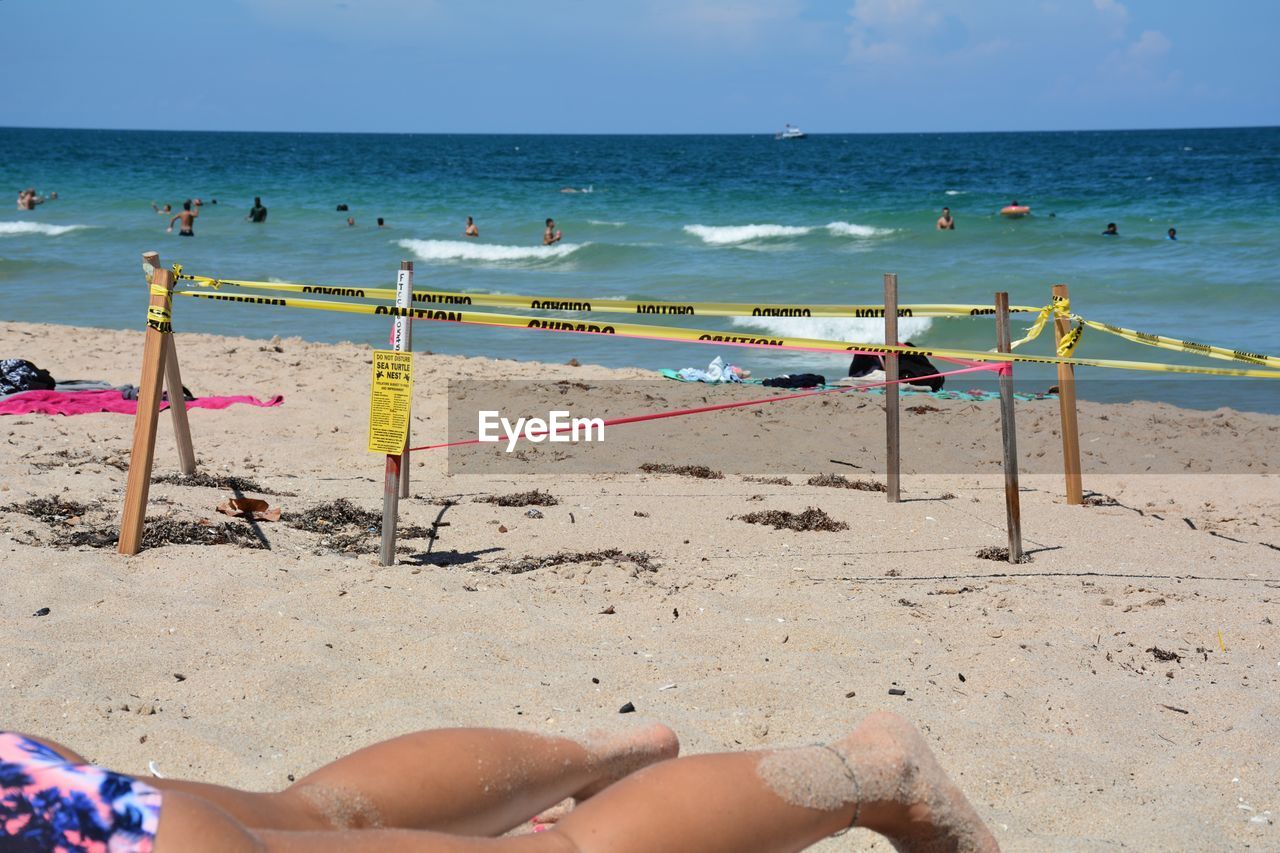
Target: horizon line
[635, 133]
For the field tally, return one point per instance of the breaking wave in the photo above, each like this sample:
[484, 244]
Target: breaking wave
[729, 235]
[10, 229]
[863, 330]
[457, 250]
[853, 229]
[724, 235]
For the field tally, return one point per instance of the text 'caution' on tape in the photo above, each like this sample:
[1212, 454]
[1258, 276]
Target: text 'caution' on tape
[673, 333]
[390, 397]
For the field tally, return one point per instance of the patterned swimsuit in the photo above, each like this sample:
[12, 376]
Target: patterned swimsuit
[47, 803]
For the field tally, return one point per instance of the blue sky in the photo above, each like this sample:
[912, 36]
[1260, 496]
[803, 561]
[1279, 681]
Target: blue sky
[664, 66]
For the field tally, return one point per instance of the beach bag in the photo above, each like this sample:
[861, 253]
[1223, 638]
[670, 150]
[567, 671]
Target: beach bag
[17, 375]
[910, 366]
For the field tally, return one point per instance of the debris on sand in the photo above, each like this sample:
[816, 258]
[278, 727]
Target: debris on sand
[346, 527]
[50, 510]
[159, 532]
[328, 517]
[702, 472]
[218, 481]
[768, 481]
[999, 553]
[1162, 655]
[533, 498]
[255, 509]
[811, 519]
[839, 481]
[639, 559]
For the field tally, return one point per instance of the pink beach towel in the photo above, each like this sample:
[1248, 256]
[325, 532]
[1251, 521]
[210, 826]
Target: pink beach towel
[89, 402]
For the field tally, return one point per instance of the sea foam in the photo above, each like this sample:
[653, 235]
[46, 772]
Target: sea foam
[457, 250]
[728, 235]
[12, 229]
[863, 330]
[853, 229]
[724, 235]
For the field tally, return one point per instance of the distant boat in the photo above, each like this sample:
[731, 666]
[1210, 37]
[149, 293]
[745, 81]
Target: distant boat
[789, 132]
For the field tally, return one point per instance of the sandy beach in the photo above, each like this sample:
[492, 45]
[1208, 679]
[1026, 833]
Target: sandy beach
[1119, 690]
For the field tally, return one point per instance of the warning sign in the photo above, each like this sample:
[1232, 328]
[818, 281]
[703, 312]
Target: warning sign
[389, 400]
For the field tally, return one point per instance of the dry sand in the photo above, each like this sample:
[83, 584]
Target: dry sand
[1035, 683]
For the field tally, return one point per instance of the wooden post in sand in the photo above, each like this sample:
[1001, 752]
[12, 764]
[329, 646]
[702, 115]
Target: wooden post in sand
[1067, 405]
[159, 329]
[395, 464]
[404, 331]
[891, 412]
[173, 384]
[1009, 433]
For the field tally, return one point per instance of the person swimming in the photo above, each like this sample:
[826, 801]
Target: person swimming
[945, 222]
[471, 229]
[257, 213]
[1173, 233]
[188, 217]
[165, 211]
[551, 235]
[1111, 231]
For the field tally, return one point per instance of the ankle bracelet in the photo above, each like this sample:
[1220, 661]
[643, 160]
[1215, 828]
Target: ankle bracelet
[853, 780]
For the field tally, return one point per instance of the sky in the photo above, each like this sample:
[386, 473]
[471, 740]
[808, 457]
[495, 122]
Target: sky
[639, 66]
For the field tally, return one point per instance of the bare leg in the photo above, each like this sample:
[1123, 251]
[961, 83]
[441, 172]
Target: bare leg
[881, 776]
[463, 781]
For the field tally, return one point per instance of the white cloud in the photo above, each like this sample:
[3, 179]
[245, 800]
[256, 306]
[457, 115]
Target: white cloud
[1150, 46]
[736, 21]
[1115, 16]
[883, 30]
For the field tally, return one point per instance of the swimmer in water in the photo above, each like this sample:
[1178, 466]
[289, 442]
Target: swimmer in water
[381, 223]
[351, 221]
[165, 211]
[188, 217]
[945, 222]
[1111, 231]
[471, 229]
[551, 235]
[257, 213]
[1173, 233]
[466, 789]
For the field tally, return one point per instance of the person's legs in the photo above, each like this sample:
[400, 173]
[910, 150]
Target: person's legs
[881, 776]
[463, 781]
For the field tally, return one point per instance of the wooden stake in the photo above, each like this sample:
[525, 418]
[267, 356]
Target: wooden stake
[1067, 406]
[173, 384]
[178, 408]
[891, 412]
[141, 457]
[395, 466]
[1009, 433]
[408, 347]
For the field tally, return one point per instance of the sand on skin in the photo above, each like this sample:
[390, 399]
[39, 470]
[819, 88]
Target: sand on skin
[1058, 734]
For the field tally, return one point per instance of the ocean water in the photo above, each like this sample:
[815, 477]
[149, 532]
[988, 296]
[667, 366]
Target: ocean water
[695, 218]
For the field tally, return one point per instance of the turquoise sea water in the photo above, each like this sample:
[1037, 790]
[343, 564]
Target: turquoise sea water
[695, 218]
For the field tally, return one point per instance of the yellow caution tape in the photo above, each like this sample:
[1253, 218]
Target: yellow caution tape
[484, 318]
[158, 318]
[1061, 307]
[612, 306]
[1184, 346]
